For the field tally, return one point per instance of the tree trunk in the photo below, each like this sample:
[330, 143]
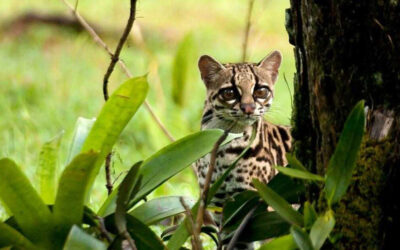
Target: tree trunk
[348, 50]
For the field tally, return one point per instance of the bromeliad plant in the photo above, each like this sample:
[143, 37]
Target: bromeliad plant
[67, 223]
[123, 220]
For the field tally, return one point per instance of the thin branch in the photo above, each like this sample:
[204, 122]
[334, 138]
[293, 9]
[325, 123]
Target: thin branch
[103, 229]
[247, 30]
[196, 243]
[207, 183]
[241, 228]
[109, 182]
[122, 40]
[290, 92]
[124, 68]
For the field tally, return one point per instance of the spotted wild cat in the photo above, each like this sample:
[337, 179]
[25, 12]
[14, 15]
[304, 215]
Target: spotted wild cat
[242, 93]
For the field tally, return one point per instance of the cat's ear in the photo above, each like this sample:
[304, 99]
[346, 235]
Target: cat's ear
[270, 64]
[209, 69]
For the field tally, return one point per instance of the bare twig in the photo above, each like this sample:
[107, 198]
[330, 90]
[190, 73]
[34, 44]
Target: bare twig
[207, 183]
[109, 182]
[110, 69]
[196, 243]
[103, 229]
[240, 228]
[124, 68]
[247, 30]
[122, 40]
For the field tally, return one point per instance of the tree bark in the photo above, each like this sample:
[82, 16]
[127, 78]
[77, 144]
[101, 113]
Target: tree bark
[348, 50]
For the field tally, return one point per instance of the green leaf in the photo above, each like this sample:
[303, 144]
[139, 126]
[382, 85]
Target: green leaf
[344, 158]
[236, 209]
[174, 158]
[46, 172]
[143, 236]
[299, 174]
[295, 163]
[113, 117]
[124, 192]
[285, 242]
[310, 215]
[81, 131]
[72, 190]
[264, 225]
[321, 229]
[288, 188]
[278, 203]
[11, 237]
[79, 240]
[160, 208]
[301, 238]
[180, 70]
[28, 209]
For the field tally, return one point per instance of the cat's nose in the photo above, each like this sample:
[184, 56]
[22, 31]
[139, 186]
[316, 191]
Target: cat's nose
[248, 108]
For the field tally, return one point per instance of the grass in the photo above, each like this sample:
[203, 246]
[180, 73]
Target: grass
[50, 76]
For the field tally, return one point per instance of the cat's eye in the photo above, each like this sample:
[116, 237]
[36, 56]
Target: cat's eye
[228, 94]
[261, 93]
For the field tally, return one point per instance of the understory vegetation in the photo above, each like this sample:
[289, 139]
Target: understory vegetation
[52, 183]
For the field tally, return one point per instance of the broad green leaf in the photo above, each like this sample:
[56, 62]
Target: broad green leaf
[321, 229]
[299, 174]
[285, 242]
[295, 163]
[292, 190]
[46, 172]
[125, 190]
[301, 238]
[181, 234]
[237, 208]
[174, 158]
[143, 236]
[113, 117]
[28, 209]
[81, 131]
[278, 203]
[11, 237]
[310, 215]
[264, 225]
[79, 240]
[180, 69]
[72, 190]
[343, 160]
[160, 208]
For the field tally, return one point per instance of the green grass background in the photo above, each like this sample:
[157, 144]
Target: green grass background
[50, 76]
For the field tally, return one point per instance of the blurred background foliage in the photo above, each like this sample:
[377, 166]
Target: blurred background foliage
[50, 75]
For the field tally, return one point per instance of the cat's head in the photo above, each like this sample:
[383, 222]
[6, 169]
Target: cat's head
[240, 92]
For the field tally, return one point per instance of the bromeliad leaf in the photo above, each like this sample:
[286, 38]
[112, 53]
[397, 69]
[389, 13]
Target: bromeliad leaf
[160, 208]
[11, 237]
[113, 117]
[285, 242]
[288, 188]
[278, 203]
[72, 190]
[28, 209]
[80, 240]
[294, 162]
[81, 131]
[301, 238]
[321, 229]
[46, 172]
[125, 190]
[310, 215]
[343, 161]
[173, 159]
[301, 174]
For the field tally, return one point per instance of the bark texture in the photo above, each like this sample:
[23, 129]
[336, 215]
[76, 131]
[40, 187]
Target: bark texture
[348, 50]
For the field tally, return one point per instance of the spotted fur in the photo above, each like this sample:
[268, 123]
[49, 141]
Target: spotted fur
[241, 94]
